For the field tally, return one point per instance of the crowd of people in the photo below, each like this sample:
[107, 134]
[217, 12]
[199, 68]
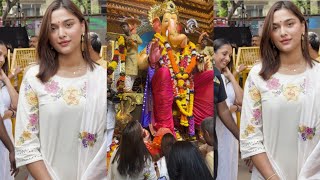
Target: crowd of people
[66, 118]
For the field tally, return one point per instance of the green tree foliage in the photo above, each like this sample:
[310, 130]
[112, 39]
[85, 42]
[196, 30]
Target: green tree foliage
[223, 7]
[9, 5]
[1, 8]
[303, 5]
[84, 5]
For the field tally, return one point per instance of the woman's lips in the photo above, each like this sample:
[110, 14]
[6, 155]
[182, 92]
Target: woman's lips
[64, 43]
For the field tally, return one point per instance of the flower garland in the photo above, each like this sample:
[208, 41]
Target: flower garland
[119, 54]
[182, 81]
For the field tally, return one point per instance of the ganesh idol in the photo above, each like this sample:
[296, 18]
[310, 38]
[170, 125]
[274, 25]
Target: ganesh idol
[172, 59]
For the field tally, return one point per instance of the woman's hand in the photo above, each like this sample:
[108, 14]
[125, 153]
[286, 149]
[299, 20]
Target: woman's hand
[14, 170]
[146, 135]
[17, 70]
[227, 73]
[7, 114]
[3, 77]
[241, 68]
[249, 163]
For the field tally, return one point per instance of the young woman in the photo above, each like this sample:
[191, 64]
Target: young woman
[228, 145]
[167, 142]
[280, 113]
[8, 105]
[61, 118]
[185, 162]
[132, 159]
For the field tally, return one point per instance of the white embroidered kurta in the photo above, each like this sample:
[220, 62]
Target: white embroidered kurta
[5, 102]
[48, 123]
[227, 143]
[281, 117]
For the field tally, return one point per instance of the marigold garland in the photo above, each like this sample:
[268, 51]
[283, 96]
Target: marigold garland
[184, 85]
[119, 54]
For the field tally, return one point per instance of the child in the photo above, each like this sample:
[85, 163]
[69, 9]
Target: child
[207, 128]
[166, 143]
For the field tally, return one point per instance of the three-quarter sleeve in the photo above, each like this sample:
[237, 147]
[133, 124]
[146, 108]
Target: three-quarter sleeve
[251, 136]
[27, 144]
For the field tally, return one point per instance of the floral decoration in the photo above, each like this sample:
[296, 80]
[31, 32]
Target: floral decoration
[72, 96]
[291, 92]
[87, 139]
[307, 133]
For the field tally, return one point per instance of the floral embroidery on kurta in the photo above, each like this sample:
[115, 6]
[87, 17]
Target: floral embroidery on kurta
[291, 92]
[26, 135]
[32, 100]
[307, 133]
[87, 139]
[249, 130]
[72, 96]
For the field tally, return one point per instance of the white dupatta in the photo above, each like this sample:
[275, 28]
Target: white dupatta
[92, 160]
[309, 149]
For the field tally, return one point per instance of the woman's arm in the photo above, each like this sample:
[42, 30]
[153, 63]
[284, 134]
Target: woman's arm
[5, 139]
[262, 163]
[251, 128]
[12, 92]
[236, 87]
[27, 131]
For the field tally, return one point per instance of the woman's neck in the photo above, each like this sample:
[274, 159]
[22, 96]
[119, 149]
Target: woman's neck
[71, 60]
[295, 57]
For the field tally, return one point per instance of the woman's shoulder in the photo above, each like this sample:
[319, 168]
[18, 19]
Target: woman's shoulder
[99, 68]
[256, 67]
[316, 65]
[255, 70]
[31, 71]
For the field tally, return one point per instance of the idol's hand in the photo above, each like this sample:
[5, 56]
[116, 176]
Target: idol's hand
[155, 53]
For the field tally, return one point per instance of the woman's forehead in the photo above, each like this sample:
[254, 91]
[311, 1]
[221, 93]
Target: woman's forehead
[283, 15]
[61, 15]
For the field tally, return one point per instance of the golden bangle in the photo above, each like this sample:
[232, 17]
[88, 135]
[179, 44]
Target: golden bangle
[271, 176]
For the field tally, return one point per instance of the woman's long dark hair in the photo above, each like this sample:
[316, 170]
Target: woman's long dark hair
[132, 154]
[186, 163]
[167, 142]
[270, 54]
[48, 57]
[5, 66]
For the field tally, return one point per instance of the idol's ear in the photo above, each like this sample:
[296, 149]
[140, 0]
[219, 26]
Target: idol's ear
[156, 25]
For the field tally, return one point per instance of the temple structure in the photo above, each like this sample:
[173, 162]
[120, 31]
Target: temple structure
[200, 10]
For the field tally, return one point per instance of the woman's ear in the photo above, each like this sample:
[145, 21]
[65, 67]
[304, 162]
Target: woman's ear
[83, 26]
